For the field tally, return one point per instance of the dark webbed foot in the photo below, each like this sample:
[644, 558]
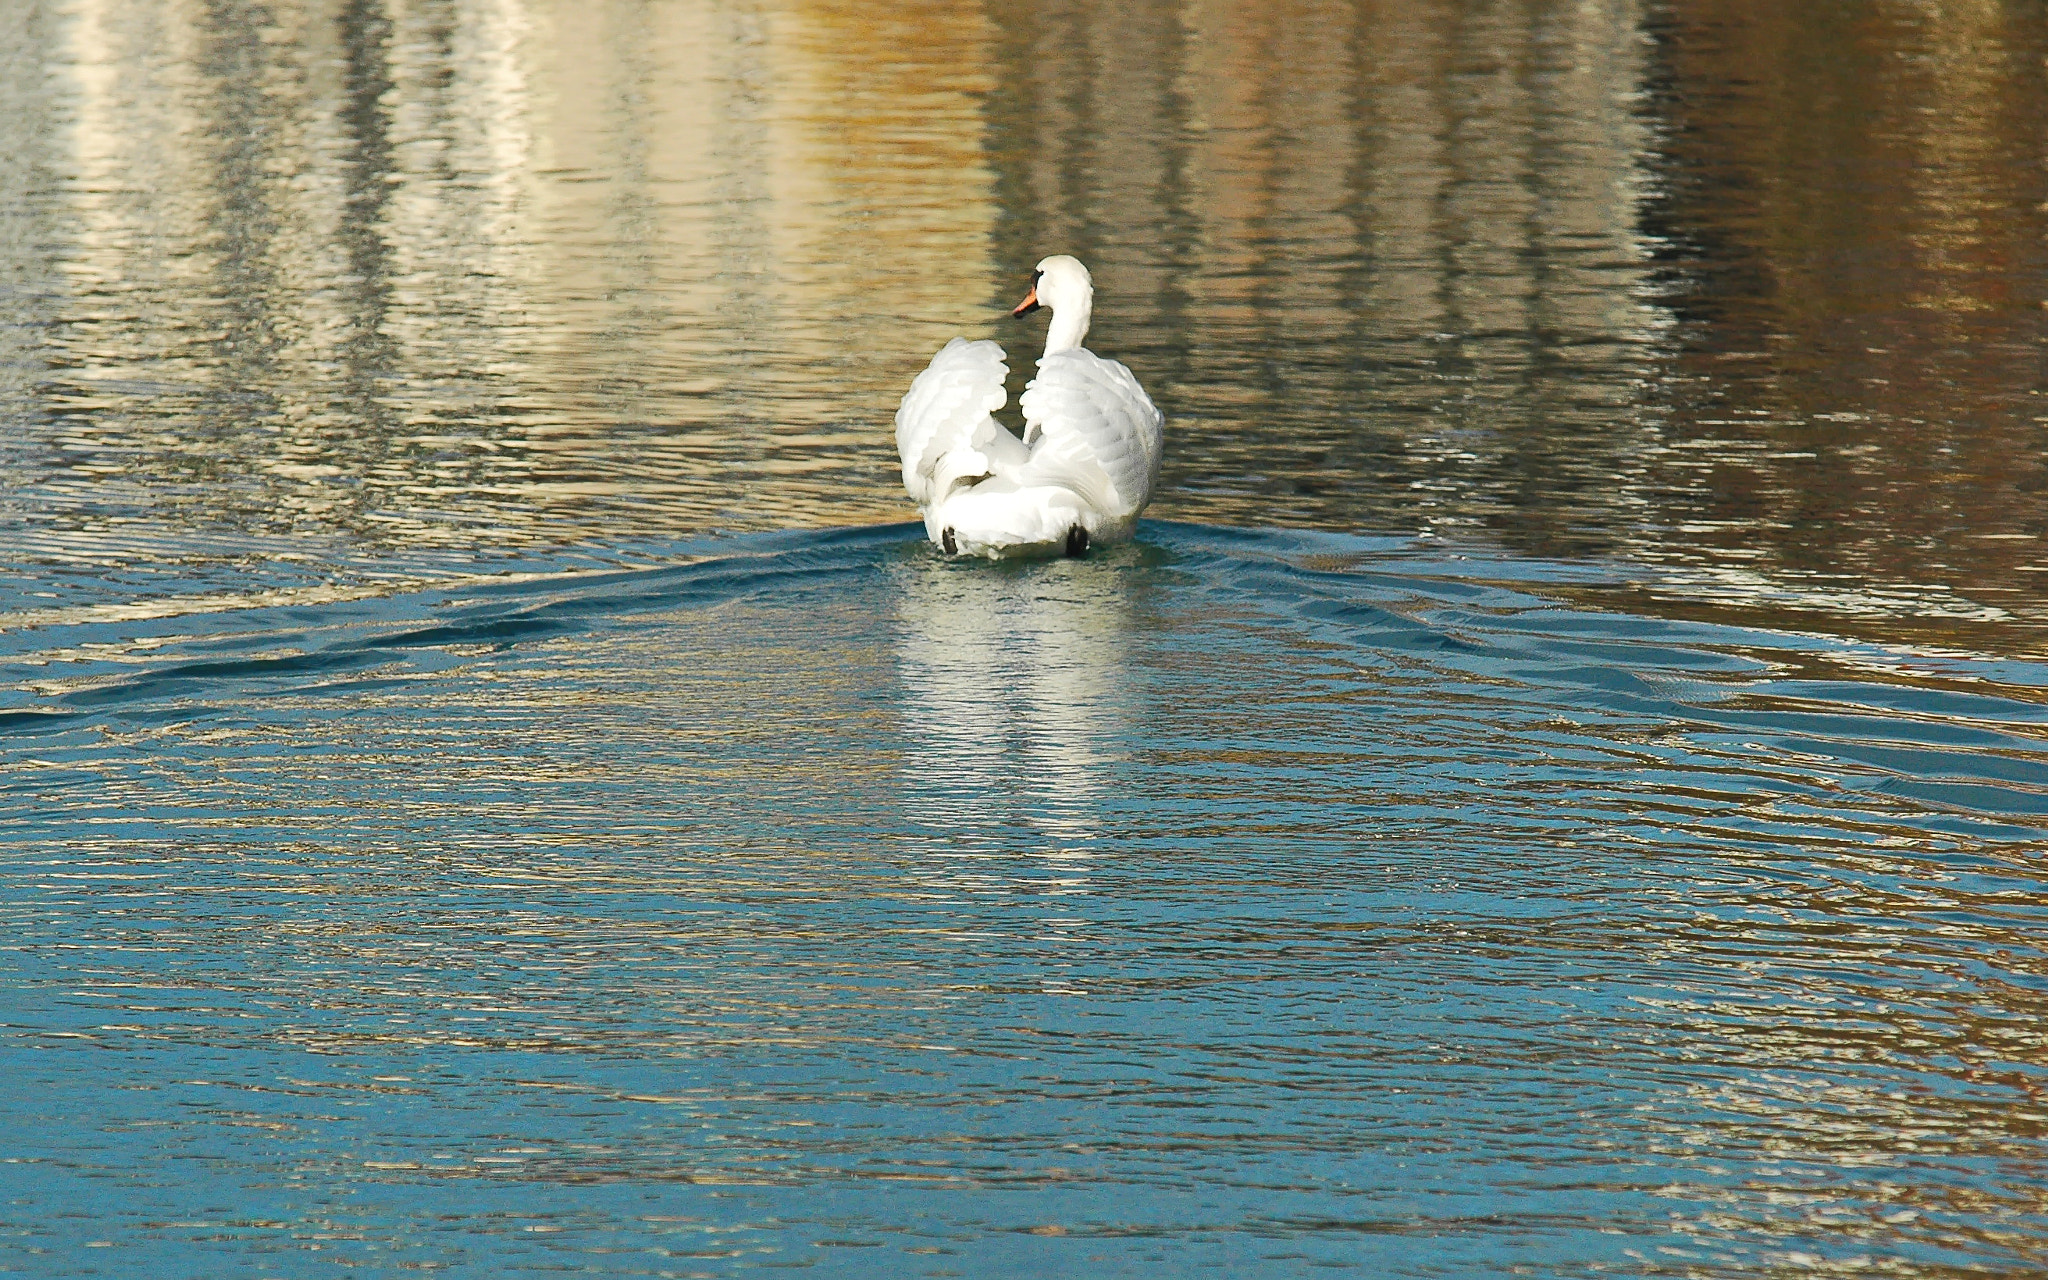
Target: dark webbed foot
[951, 545]
[1077, 540]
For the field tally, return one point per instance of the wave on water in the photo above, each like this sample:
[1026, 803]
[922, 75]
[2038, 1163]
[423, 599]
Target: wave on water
[1952, 729]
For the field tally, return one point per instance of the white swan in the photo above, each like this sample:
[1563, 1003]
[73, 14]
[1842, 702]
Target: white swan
[1090, 453]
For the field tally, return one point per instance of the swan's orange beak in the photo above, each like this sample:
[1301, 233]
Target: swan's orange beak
[1030, 303]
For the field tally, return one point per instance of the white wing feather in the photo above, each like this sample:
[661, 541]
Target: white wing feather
[945, 429]
[1090, 426]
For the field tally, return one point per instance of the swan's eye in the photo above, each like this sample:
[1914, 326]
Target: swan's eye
[1035, 276]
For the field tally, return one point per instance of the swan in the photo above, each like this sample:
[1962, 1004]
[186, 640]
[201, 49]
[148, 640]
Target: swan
[1090, 453]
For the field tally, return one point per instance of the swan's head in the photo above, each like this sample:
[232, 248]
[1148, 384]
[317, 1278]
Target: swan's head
[1061, 283]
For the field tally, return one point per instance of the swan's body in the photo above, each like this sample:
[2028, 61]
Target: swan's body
[1090, 453]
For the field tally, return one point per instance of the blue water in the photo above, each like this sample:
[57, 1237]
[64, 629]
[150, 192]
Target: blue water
[1233, 903]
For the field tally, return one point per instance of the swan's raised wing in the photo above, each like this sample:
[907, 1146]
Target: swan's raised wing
[945, 428]
[1089, 425]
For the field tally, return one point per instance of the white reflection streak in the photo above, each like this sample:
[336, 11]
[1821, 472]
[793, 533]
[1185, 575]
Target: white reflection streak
[461, 150]
[1017, 689]
[133, 187]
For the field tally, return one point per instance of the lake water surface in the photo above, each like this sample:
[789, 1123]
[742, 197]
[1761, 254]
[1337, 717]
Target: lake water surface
[491, 784]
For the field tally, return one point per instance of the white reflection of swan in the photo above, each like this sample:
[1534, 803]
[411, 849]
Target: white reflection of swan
[1017, 685]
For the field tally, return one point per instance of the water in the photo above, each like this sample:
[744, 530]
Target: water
[490, 785]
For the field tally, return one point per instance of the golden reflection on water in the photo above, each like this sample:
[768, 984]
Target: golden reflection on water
[495, 273]
[1857, 388]
[1393, 247]
[1758, 295]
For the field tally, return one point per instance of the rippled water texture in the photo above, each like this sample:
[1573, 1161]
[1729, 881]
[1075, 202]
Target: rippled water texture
[489, 784]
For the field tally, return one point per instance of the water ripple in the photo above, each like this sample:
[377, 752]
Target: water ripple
[1386, 902]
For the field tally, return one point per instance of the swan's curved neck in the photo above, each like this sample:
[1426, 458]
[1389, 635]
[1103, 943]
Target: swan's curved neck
[1069, 325]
